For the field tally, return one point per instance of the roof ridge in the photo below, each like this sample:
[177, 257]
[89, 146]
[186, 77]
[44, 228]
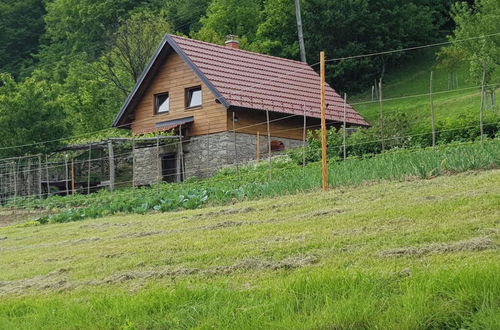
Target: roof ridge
[239, 50]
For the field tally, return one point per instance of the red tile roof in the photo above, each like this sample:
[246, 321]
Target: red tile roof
[252, 80]
[240, 78]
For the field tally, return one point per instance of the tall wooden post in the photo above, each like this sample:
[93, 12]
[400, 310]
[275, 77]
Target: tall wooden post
[345, 127]
[183, 174]
[72, 176]
[39, 176]
[133, 161]
[381, 108]
[269, 144]
[111, 156]
[433, 115]
[257, 147]
[89, 168]
[66, 176]
[324, 162]
[15, 170]
[28, 177]
[304, 136]
[235, 146]
[481, 127]
[47, 177]
[159, 174]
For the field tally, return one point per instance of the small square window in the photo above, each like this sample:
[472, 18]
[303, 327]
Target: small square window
[193, 97]
[162, 103]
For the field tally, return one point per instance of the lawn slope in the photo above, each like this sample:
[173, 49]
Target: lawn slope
[391, 255]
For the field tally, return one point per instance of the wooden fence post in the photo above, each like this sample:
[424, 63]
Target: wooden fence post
[39, 176]
[111, 166]
[433, 116]
[133, 161]
[72, 176]
[66, 177]
[481, 127]
[89, 168]
[381, 107]
[269, 144]
[47, 177]
[28, 177]
[304, 136]
[345, 127]
[257, 151]
[235, 146]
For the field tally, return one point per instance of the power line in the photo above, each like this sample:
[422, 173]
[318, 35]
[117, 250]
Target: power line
[411, 48]
[306, 67]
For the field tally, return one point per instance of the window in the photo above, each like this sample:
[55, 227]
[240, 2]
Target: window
[193, 97]
[162, 103]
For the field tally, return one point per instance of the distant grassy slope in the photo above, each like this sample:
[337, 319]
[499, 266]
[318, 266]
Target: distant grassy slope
[413, 78]
[400, 255]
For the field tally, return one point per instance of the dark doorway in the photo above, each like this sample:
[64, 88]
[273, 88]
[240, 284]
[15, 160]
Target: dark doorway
[169, 168]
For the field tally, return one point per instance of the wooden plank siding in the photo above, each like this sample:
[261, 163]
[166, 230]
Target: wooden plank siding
[174, 76]
[251, 121]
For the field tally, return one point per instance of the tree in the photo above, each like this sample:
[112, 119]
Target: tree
[21, 25]
[29, 113]
[481, 19]
[131, 48]
[349, 27]
[224, 17]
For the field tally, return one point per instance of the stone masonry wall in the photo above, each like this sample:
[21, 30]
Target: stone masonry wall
[204, 154]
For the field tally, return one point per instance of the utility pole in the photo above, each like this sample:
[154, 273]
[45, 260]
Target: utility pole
[299, 31]
[324, 164]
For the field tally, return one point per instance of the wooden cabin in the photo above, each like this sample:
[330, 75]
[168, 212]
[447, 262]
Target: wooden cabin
[217, 99]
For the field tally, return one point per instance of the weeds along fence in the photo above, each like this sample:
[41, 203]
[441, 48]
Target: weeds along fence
[252, 182]
[431, 117]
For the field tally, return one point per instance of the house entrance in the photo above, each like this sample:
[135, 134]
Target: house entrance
[169, 168]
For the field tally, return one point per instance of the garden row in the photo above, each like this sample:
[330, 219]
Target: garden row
[259, 181]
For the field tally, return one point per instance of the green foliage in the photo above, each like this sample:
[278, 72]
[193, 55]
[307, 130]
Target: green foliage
[473, 21]
[81, 26]
[132, 46]
[224, 17]
[399, 133]
[29, 113]
[21, 25]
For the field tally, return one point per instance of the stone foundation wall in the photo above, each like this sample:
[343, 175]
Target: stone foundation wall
[147, 168]
[204, 154]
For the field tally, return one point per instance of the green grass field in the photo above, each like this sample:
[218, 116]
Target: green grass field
[414, 79]
[419, 254]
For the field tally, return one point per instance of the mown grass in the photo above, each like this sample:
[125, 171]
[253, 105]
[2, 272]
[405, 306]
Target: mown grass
[255, 181]
[393, 255]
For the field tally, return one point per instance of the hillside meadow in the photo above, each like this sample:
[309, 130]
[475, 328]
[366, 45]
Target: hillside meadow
[416, 254]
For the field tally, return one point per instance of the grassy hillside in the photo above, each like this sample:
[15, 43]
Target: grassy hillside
[413, 79]
[360, 257]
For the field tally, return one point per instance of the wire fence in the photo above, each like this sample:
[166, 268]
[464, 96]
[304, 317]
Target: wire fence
[130, 164]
